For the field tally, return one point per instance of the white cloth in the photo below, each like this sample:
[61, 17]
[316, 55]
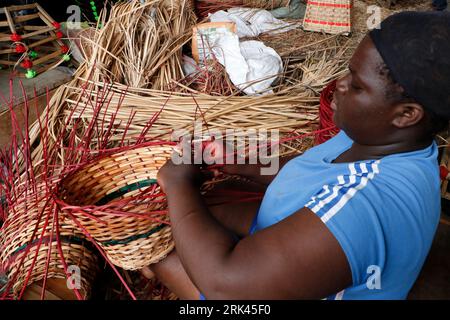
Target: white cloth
[251, 22]
[248, 61]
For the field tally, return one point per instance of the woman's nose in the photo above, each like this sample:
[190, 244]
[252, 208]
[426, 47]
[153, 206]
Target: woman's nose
[342, 84]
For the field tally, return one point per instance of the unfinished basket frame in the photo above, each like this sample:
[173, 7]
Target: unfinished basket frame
[19, 40]
[329, 16]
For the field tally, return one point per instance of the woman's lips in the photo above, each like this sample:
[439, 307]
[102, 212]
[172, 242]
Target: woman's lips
[333, 105]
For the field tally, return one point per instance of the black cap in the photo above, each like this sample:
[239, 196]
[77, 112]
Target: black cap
[416, 48]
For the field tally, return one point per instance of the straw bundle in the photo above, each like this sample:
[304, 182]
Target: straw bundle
[140, 45]
[330, 16]
[205, 7]
[122, 182]
[265, 4]
[362, 19]
[176, 111]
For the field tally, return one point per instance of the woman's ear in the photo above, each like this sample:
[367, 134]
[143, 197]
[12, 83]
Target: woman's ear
[407, 114]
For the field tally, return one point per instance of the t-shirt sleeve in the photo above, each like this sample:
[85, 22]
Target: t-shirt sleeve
[348, 209]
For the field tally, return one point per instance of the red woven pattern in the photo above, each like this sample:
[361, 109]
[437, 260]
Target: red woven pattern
[330, 16]
[326, 114]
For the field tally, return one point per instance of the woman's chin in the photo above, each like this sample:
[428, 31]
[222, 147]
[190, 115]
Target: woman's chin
[335, 120]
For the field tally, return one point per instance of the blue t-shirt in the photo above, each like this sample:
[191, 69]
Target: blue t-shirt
[384, 213]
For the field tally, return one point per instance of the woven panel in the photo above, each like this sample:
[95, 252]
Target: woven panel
[330, 16]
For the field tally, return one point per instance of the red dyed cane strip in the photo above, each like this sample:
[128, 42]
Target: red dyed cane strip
[444, 173]
[333, 5]
[87, 234]
[328, 23]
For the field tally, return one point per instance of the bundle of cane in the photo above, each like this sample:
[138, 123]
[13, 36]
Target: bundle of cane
[140, 44]
[265, 4]
[210, 78]
[205, 7]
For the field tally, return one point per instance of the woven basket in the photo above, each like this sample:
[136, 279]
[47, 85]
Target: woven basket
[330, 16]
[15, 237]
[130, 242]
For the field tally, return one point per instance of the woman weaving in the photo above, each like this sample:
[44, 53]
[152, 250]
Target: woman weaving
[353, 218]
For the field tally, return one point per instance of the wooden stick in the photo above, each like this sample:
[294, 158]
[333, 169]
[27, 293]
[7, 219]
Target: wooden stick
[10, 21]
[40, 42]
[32, 28]
[43, 12]
[22, 7]
[5, 39]
[45, 19]
[37, 32]
[8, 63]
[7, 51]
[27, 17]
[49, 23]
[46, 58]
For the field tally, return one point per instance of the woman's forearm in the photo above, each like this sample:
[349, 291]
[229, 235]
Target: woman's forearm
[202, 243]
[254, 171]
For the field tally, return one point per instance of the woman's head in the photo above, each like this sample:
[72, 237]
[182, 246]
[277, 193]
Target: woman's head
[399, 81]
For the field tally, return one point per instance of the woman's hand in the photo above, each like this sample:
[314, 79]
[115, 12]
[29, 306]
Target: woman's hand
[171, 175]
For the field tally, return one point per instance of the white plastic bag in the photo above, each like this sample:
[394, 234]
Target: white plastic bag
[251, 65]
[251, 22]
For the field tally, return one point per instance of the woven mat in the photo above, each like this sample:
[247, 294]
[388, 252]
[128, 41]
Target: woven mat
[330, 16]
